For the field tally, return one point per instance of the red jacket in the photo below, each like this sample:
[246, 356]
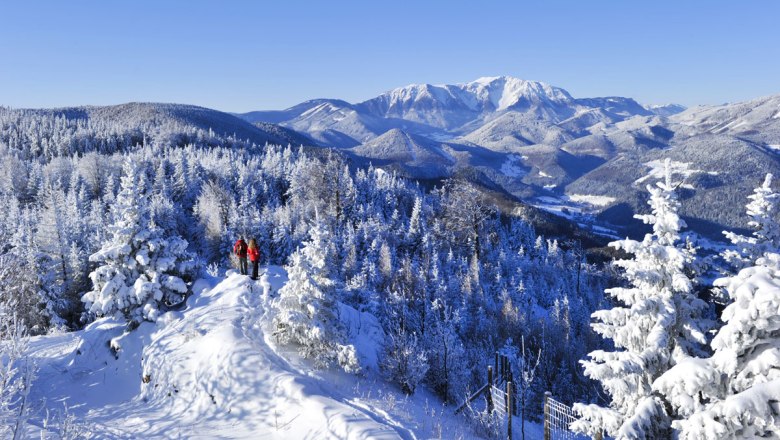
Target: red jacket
[240, 248]
[254, 254]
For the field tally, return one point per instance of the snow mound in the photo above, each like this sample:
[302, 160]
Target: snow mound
[211, 371]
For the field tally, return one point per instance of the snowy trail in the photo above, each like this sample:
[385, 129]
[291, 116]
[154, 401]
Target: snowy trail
[212, 373]
[252, 326]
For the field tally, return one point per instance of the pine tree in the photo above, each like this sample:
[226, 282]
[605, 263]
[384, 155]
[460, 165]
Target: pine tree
[657, 324]
[139, 271]
[307, 307]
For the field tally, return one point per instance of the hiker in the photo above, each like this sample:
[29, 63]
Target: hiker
[254, 257]
[240, 250]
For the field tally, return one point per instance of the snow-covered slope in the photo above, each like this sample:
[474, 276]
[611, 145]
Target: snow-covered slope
[557, 145]
[448, 110]
[757, 119]
[137, 117]
[213, 370]
[421, 156]
[452, 106]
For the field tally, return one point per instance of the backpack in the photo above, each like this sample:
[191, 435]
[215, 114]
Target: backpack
[240, 248]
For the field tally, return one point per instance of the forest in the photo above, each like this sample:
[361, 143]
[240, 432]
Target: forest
[107, 217]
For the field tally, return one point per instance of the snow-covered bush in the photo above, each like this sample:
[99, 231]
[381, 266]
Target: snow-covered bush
[139, 271]
[656, 325]
[404, 361]
[307, 307]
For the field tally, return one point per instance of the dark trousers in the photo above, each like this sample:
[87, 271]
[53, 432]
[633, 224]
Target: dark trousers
[254, 269]
[242, 265]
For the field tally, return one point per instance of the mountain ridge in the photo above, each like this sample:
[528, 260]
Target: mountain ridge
[546, 144]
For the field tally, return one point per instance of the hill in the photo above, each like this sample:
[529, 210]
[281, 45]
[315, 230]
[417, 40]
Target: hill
[213, 369]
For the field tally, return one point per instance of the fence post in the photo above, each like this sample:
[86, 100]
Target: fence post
[490, 389]
[509, 412]
[496, 370]
[547, 395]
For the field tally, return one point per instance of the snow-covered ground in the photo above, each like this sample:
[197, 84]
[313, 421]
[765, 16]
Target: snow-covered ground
[581, 209]
[213, 370]
[592, 200]
[513, 167]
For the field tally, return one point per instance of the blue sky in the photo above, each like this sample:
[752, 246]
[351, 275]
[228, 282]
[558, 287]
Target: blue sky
[253, 55]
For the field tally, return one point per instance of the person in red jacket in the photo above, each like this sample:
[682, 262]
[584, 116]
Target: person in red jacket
[240, 249]
[254, 257]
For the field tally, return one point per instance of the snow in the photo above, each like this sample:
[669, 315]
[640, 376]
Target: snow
[512, 167]
[678, 168]
[214, 370]
[592, 200]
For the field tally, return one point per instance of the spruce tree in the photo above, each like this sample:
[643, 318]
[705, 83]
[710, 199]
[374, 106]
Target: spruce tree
[140, 272]
[656, 323]
[307, 307]
[733, 394]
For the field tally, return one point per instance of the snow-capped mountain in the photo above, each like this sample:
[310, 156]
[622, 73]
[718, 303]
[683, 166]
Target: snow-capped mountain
[757, 120]
[544, 143]
[448, 111]
[450, 107]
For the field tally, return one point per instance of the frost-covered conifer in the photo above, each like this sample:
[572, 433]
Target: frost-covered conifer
[139, 271]
[734, 393]
[763, 210]
[307, 307]
[15, 370]
[656, 325]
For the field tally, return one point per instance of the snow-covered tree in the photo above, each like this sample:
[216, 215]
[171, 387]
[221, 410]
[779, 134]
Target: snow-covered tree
[16, 371]
[20, 277]
[447, 356]
[733, 394]
[763, 210]
[656, 324]
[404, 360]
[139, 271]
[307, 307]
[212, 210]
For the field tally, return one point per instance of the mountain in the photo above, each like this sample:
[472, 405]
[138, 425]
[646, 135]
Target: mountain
[162, 118]
[666, 109]
[539, 143]
[447, 111]
[728, 150]
[450, 107]
[757, 120]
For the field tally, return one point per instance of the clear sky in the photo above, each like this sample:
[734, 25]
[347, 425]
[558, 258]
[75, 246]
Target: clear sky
[254, 55]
